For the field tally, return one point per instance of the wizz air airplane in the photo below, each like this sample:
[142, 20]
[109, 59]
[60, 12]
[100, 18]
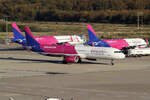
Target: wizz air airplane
[72, 39]
[121, 44]
[71, 53]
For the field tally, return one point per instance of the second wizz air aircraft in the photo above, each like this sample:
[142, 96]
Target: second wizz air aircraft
[121, 44]
[70, 39]
[72, 53]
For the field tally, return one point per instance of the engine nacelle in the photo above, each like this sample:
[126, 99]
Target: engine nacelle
[72, 59]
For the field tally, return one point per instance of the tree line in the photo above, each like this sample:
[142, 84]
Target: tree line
[105, 11]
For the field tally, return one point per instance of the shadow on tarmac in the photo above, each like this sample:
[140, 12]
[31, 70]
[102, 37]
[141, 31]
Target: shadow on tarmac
[30, 60]
[54, 73]
[13, 49]
[49, 61]
[88, 62]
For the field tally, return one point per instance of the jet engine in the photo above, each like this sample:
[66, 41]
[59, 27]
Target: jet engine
[71, 59]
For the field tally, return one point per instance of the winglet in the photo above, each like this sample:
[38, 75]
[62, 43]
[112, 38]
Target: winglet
[92, 34]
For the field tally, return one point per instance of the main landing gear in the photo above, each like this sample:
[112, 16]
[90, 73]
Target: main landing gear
[64, 62]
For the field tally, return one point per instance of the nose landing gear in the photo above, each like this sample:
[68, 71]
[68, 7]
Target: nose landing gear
[112, 62]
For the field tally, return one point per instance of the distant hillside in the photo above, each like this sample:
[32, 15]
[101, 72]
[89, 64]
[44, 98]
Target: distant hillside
[105, 11]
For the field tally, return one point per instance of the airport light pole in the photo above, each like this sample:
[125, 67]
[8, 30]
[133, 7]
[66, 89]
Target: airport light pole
[7, 36]
[140, 14]
[139, 18]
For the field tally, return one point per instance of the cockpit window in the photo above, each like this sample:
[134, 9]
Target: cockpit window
[117, 51]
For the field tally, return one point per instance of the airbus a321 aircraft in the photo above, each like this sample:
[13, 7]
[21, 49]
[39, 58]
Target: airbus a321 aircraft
[70, 39]
[121, 44]
[71, 53]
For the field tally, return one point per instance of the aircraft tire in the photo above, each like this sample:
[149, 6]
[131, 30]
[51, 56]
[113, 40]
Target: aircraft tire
[64, 62]
[76, 60]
